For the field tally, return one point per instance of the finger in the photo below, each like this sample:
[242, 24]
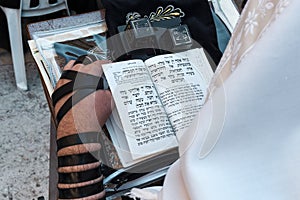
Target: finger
[69, 65]
[94, 68]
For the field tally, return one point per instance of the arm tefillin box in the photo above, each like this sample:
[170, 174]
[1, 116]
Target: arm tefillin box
[142, 38]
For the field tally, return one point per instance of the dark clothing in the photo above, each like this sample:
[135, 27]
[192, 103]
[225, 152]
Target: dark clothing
[10, 3]
[83, 6]
[4, 38]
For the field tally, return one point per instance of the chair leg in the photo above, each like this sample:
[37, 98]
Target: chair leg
[67, 8]
[13, 17]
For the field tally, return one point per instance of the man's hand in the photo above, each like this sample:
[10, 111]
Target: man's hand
[91, 113]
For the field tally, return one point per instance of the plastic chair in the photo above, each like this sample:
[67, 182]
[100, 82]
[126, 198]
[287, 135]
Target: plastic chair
[13, 17]
[44, 7]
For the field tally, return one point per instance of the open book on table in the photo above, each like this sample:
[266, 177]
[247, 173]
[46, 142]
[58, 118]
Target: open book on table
[156, 101]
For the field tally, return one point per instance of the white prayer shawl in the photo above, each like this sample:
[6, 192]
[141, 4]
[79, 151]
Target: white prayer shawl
[245, 142]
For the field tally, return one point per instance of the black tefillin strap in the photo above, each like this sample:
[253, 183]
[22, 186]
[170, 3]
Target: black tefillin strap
[81, 192]
[78, 138]
[79, 177]
[78, 159]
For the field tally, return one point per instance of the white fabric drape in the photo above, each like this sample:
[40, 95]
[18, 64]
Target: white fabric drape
[245, 142]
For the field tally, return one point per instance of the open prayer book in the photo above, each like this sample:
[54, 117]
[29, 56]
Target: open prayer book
[156, 101]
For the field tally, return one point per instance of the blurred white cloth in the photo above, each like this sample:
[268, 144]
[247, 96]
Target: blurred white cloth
[245, 142]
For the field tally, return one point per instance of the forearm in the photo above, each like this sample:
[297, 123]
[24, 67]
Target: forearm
[78, 146]
[68, 127]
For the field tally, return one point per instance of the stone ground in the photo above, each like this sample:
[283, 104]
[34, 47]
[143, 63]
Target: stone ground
[24, 134]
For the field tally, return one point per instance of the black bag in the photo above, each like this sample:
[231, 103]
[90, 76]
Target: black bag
[197, 16]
